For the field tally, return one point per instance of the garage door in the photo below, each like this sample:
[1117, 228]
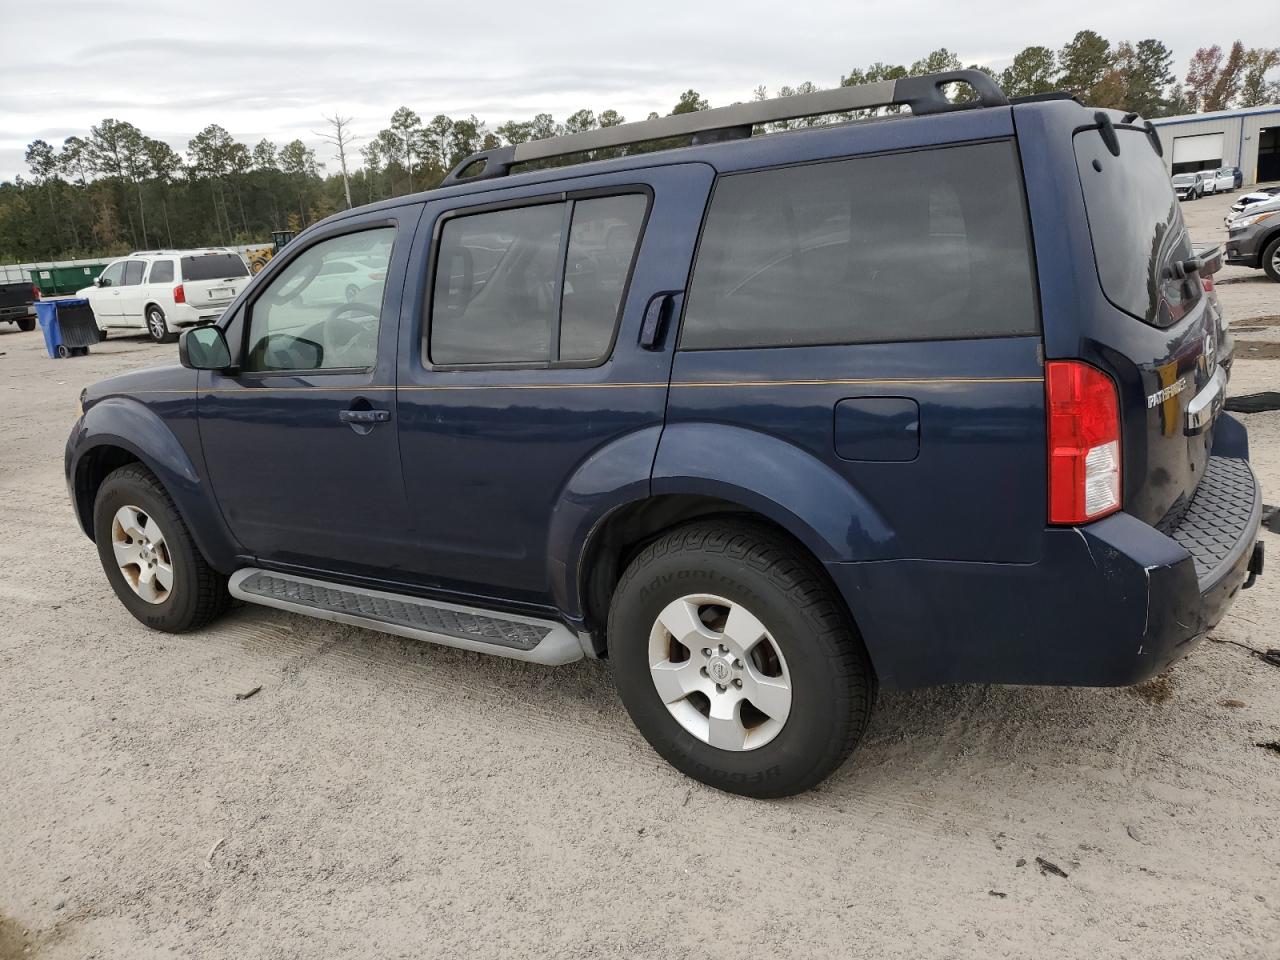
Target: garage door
[1205, 149]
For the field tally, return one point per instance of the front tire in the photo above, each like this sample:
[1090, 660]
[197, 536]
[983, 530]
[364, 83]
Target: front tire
[157, 326]
[149, 557]
[736, 660]
[1271, 259]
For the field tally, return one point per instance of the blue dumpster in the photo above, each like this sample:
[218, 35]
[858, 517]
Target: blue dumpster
[68, 326]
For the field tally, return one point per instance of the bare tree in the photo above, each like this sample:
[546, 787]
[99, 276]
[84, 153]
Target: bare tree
[342, 141]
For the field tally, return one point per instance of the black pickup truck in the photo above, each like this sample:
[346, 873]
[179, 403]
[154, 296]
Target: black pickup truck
[17, 304]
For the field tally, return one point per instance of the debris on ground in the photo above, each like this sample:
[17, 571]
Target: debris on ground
[1156, 690]
[249, 693]
[997, 893]
[1233, 704]
[1133, 834]
[1270, 745]
[1022, 862]
[1272, 656]
[214, 849]
[1046, 868]
[1254, 402]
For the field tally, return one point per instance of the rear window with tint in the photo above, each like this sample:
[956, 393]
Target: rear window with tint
[926, 245]
[213, 266]
[1136, 225]
[161, 272]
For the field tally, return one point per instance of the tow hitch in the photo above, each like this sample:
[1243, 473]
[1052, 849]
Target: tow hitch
[1255, 564]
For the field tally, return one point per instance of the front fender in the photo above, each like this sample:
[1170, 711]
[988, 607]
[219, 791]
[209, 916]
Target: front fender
[776, 479]
[130, 425]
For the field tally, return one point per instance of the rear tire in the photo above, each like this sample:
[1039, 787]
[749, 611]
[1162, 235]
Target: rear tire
[139, 534]
[808, 669]
[1271, 259]
[157, 326]
[27, 324]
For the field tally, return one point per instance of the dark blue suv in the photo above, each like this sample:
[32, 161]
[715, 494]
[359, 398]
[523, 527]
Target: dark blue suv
[769, 421]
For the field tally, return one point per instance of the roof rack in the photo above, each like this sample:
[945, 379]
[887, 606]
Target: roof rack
[924, 95]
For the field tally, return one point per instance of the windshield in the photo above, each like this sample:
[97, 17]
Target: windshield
[213, 266]
[1137, 228]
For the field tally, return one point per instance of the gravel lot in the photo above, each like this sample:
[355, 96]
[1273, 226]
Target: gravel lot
[384, 798]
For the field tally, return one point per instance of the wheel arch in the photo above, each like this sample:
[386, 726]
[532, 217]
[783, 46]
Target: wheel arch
[118, 431]
[615, 541]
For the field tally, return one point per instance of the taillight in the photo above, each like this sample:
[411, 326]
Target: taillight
[1207, 283]
[179, 295]
[35, 292]
[1084, 442]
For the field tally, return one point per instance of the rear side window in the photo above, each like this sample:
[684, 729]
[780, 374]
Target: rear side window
[926, 245]
[161, 272]
[535, 285]
[213, 266]
[1136, 225]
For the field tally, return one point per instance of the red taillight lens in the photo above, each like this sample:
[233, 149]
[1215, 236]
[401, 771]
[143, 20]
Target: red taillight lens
[1207, 283]
[179, 295]
[35, 292]
[1084, 442]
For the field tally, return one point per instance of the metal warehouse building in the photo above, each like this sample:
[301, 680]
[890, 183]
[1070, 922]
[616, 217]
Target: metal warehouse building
[1248, 138]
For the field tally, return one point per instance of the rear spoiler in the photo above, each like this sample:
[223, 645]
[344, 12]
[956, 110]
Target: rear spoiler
[1206, 260]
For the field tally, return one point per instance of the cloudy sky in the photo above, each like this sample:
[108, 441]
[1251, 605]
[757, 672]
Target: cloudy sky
[274, 68]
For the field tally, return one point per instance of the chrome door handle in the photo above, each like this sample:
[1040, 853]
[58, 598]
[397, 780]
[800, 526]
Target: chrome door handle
[364, 416]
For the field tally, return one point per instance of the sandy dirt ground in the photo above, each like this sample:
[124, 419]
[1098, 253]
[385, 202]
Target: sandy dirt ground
[383, 798]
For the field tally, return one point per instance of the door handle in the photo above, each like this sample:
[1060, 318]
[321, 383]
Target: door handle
[657, 313]
[364, 416]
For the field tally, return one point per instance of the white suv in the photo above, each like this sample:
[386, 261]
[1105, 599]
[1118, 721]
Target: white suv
[162, 290]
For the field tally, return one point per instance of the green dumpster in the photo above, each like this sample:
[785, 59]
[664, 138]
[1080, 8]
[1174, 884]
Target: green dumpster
[54, 280]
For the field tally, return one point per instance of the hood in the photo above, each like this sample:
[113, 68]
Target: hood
[172, 380]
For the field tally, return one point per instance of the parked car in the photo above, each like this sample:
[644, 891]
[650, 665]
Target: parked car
[1259, 195]
[1237, 177]
[1188, 186]
[162, 291]
[17, 304]
[1219, 181]
[765, 439]
[1253, 238]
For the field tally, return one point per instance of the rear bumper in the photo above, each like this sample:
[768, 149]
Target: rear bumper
[19, 312]
[1108, 604]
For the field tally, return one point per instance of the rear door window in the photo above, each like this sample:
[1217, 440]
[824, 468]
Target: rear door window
[927, 245]
[213, 266]
[1137, 227]
[161, 272]
[515, 286]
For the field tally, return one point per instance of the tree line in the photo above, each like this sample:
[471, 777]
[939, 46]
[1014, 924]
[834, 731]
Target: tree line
[117, 189]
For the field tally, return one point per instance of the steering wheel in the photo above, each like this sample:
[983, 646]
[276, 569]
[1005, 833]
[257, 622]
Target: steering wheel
[352, 334]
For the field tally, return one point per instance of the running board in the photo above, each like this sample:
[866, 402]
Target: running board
[469, 628]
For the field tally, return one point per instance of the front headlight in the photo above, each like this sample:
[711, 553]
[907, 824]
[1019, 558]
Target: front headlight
[1241, 222]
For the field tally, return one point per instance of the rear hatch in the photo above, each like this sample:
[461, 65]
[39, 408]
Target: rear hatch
[1162, 338]
[210, 281]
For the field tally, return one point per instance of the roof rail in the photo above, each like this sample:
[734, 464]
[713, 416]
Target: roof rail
[923, 95]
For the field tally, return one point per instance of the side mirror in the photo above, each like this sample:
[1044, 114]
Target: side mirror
[99, 282]
[204, 348]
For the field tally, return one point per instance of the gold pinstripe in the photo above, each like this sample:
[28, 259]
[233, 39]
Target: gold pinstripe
[852, 382]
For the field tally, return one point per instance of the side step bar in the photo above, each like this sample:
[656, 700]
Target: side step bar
[469, 628]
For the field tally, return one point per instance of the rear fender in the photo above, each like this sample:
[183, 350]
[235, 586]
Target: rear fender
[776, 479]
[129, 425]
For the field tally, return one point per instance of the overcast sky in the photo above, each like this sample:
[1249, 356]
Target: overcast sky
[274, 68]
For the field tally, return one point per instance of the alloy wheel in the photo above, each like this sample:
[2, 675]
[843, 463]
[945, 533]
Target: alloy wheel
[719, 672]
[142, 554]
[156, 325]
